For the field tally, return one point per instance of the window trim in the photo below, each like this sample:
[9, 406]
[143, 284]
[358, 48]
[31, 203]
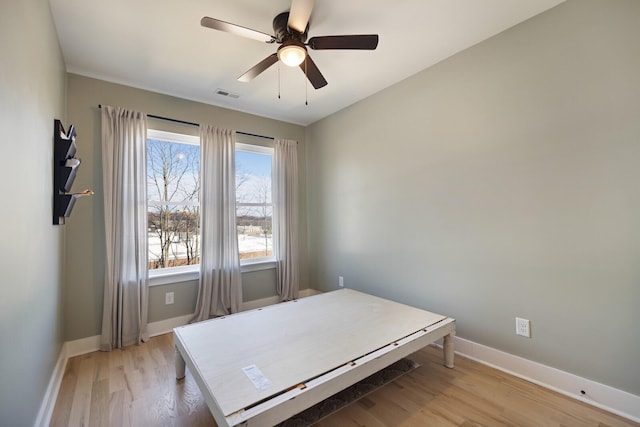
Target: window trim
[188, 273]
[173, 137]
[242, 146]
[172, 274]
[251, 263]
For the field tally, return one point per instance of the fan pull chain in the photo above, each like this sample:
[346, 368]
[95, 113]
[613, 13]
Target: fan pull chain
[278, 79]
[306, 82]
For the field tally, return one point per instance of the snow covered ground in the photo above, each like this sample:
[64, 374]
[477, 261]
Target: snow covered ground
[246, 243]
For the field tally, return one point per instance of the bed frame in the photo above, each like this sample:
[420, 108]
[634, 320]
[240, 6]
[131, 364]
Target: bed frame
[260, 367]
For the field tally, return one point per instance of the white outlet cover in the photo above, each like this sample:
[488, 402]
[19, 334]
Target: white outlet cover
[523, 327]
[168, 298]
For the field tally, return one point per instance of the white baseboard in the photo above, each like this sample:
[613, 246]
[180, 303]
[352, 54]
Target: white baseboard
[51, 395]
[165, 326]
[82, 346]
[602, 396]
[309, 292]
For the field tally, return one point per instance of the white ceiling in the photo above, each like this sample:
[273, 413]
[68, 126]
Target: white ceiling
[159, 45]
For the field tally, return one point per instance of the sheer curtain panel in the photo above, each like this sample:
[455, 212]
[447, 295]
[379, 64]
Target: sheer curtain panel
[220, 291]
[124, 316]
[285, 205]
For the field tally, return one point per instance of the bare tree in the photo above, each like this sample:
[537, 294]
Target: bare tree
[262, 193]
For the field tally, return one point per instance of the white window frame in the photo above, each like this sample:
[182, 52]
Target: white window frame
[261, 263]
[164, 276]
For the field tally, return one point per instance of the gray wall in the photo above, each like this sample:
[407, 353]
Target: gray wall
[85, 228]
[32, 88]
[502, 182]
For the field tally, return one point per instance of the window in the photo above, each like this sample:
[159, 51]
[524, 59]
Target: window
[173, 203]
[254, 206]
[173, 200]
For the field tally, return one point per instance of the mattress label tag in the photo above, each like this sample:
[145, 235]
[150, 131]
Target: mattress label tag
[257, 378]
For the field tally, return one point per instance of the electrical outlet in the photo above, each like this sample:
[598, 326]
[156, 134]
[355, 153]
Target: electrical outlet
[168, 298]
[341, 281]
[523, 327]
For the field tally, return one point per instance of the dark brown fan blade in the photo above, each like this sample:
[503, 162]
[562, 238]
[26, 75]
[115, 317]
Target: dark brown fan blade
[361, 42]
[313, 73]
[259, 68]
[299, 14]
[216, 24]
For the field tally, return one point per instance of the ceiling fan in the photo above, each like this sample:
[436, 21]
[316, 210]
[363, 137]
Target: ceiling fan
[291, 30]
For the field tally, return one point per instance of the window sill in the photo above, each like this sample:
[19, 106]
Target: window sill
[165, 276]
[186, 274]
[263, 264]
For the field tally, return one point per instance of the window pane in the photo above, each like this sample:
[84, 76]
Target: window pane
[253, 177]
[173, 192]
[174, 236]
[173, 171]
[254, 211]
[255, 238]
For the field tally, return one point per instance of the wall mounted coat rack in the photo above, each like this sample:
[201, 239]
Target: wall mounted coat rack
[65, 166]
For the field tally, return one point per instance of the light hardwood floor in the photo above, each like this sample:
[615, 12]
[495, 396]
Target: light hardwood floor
[136, 386]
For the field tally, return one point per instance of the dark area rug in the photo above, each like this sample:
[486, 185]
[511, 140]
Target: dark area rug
[349, 395]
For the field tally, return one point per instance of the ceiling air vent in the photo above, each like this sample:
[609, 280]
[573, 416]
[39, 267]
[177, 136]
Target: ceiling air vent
[222, 92]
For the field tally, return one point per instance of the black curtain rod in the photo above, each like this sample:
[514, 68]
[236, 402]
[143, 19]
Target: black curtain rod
[183, 122]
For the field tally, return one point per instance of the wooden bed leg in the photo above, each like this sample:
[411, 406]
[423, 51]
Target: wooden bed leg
[447, 347]
[180, 366]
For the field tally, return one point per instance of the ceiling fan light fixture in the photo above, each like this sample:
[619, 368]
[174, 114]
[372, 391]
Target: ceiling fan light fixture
[292, 54]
